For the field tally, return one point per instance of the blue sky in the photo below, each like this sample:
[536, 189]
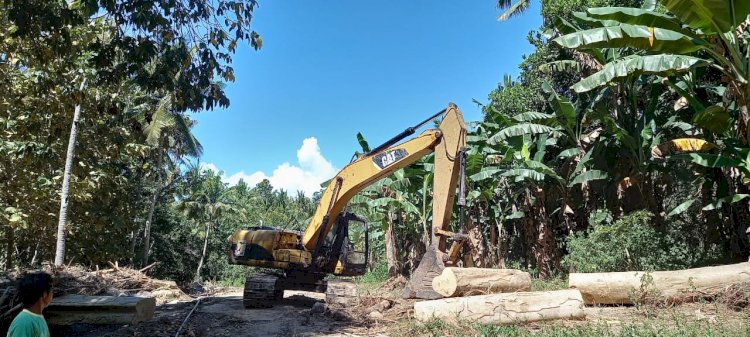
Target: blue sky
[328, 70]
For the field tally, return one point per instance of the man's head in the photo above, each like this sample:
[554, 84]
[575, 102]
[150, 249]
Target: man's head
[35, 287]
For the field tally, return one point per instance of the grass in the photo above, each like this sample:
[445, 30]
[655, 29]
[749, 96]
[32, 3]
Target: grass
[728, 318]
[551, 284]
[376, 276]
[647, 328]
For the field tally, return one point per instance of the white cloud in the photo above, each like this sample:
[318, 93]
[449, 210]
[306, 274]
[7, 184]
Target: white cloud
[311, 170]
[208, 166]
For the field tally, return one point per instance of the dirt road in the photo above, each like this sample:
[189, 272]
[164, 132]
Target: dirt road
[223, 315]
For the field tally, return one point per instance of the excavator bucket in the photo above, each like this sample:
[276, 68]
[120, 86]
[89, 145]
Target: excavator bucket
[420, 284]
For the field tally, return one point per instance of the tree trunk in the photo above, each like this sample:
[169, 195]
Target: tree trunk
[673, 286]
[390, 250]
[63, 220]
[157, 191]
[36, 252]
[209, 224]
[507, 308]
[9, 237]
[480, 281]
[503, 245]
[147, 228]
[546, 252]
[132, 248]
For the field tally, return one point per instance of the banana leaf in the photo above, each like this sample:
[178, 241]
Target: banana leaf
[708, 159]
[715, 119]
[662, 65]
[720, 202]
[636, 16]
[681, 208]
[543, 169]
[485, 173]
[520, 174]
[569, 153]
[532, 116]
[519, 130]
[710, 16]
[655, 39]
[588, 176]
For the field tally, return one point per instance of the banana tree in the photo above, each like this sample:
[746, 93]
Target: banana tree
[533, 152]
[700, 50]
[695, 33]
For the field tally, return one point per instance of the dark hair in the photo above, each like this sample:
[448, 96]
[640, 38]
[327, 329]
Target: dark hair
[33, 286]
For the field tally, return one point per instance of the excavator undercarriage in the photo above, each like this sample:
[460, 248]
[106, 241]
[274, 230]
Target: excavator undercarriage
[262, 290]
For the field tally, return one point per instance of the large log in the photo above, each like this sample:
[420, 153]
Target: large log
[480, 281]
[674, 286]
[71, 309]
[505, 308]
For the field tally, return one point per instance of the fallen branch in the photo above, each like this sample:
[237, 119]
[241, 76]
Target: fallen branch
[11, 311]
[148, 267]
[177, 334]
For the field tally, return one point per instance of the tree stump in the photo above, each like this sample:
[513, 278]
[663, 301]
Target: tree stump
[341, 293]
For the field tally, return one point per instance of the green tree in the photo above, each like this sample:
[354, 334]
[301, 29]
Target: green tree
[207, 201]
[189, 41]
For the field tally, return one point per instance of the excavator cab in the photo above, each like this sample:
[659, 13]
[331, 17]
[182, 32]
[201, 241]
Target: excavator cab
[355, 249]
[346, 248]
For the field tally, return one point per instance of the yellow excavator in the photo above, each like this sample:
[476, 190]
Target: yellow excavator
[304, 258]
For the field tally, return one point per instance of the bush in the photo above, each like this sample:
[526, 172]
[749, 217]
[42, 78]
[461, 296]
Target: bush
[378, 273]
[630, 243]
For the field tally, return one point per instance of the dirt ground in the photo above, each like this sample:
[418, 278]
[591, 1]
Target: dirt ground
[223, 315]
[297, 315]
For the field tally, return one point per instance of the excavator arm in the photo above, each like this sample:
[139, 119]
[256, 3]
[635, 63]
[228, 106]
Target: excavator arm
[447, 141]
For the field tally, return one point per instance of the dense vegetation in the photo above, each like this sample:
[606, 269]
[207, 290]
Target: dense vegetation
[622, 144]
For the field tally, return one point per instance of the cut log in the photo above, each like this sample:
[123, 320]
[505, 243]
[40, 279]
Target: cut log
[506, 308]
[480, 281]
[674, 286]
[71, 309]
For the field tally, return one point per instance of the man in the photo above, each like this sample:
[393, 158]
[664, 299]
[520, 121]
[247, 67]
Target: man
[35, 292]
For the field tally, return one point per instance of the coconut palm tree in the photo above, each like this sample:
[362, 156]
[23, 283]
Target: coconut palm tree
[171, 140]
[512, 8]
[65, 190]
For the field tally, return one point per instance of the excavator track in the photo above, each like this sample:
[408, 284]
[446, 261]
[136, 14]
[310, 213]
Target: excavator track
[261, 291]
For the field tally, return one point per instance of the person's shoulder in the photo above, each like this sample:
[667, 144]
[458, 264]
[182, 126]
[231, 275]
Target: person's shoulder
[23, 325]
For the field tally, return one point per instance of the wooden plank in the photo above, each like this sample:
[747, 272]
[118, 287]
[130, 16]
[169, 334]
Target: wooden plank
[72, 309]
